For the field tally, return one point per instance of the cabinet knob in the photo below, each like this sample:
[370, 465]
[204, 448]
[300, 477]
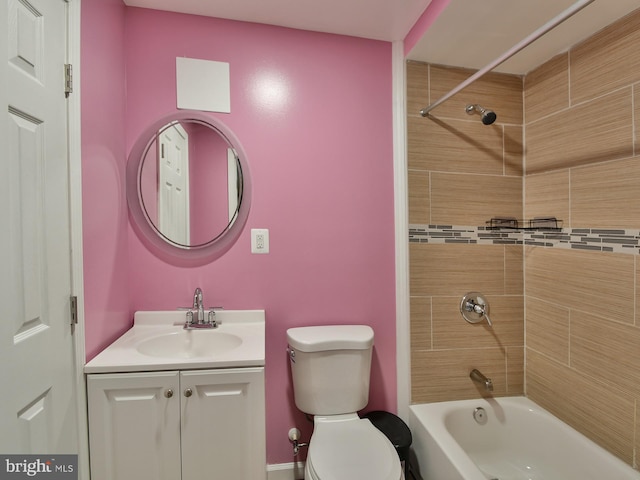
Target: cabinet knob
[168, 393]
[188, 392]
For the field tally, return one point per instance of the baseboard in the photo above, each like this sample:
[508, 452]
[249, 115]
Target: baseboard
[286, 471]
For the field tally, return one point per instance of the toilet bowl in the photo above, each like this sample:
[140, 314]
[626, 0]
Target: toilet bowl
[346, 447]
[330, 368]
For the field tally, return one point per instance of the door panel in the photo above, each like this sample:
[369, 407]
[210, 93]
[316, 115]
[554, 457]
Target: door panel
[37, 410]
[223, 424]
[134, 426]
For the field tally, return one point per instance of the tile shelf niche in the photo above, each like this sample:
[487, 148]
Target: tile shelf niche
[537, 223]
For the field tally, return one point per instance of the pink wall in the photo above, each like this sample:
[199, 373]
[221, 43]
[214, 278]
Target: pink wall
[104, 208]
[314, 115]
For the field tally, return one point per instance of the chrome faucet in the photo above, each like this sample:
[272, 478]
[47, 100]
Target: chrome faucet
[478, 377]
[197, 305]
[198, 310]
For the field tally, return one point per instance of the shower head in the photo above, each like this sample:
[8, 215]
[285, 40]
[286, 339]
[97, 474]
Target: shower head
[488, 116]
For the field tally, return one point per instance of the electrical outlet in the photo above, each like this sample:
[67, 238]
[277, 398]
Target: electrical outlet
[259, 240]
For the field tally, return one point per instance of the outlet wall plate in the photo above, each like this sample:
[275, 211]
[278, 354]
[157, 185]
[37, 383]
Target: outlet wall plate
[259, 240]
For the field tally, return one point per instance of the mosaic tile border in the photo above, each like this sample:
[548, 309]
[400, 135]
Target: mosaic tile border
[596, 239]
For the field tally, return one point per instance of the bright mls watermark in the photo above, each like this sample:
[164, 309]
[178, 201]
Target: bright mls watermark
[50, 467]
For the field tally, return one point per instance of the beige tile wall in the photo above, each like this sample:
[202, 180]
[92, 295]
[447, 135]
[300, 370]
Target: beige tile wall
[582, 330]
[599, 411]
[582, 112]
[594, 131]
[462, 172]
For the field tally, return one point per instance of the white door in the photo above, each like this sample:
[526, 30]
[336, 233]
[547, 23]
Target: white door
[173, 191]
[37, 367]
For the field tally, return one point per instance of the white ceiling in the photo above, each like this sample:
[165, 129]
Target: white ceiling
[473, 33]
[469, 33]
[388, 20]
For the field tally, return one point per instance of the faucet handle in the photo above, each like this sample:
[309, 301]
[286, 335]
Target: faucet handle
[474, 308]
[189, 322]
[211, 316]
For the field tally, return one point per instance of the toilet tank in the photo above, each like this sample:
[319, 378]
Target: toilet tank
[330, 366]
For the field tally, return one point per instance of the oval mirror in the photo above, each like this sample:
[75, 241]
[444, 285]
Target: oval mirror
[188, 187]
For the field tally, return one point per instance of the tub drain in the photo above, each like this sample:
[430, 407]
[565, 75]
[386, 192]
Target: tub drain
[480, 416]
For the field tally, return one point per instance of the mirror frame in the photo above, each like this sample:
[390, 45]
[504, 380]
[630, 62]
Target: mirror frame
[146, 230]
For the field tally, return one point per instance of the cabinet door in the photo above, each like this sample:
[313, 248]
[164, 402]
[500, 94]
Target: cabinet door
[134, 426]
[223, 424]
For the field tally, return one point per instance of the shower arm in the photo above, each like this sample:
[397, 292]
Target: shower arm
[554, 22]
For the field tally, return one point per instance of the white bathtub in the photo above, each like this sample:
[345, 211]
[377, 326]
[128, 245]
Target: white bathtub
[519, 441]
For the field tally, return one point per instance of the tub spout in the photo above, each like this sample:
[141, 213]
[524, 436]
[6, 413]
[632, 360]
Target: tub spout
[478, 377]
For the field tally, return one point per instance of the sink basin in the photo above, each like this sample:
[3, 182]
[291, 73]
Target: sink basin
[157, 342]
[189, 344]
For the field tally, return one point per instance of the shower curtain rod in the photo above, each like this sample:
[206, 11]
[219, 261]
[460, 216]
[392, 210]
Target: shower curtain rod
[569, 12]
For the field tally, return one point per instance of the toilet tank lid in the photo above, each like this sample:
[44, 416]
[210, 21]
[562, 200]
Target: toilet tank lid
[330, 337]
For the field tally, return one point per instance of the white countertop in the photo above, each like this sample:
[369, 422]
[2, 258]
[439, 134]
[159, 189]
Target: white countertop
[123, 356]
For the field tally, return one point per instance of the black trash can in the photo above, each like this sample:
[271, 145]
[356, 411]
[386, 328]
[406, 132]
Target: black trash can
[396, 431]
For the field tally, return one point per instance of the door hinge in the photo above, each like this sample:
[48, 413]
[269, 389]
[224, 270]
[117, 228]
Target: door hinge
[74, 310]
[68, 79]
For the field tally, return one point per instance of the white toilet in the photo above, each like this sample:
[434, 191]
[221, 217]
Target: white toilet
[330, 366]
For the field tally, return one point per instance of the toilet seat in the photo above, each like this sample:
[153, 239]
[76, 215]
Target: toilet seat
[346, 447]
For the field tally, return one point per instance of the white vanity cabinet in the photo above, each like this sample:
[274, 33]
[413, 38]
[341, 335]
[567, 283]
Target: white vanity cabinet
[172, 425]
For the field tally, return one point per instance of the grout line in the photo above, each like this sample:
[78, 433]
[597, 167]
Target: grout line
[570, 220]
[633, 119]
[569, 78]
[634, 458]
[504, 271]
[506, 370]
[504, 151]
[445, 172]
[430, 201]
[569, 339]
[431, 320]
[428, 84]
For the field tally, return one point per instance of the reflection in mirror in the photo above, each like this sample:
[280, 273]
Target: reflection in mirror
[190, 183]
[188, 188]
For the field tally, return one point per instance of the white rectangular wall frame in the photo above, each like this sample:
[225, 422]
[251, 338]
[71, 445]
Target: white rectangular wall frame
[203, 85]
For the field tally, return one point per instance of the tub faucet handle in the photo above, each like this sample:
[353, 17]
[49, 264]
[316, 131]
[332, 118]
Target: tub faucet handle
[474, 308]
